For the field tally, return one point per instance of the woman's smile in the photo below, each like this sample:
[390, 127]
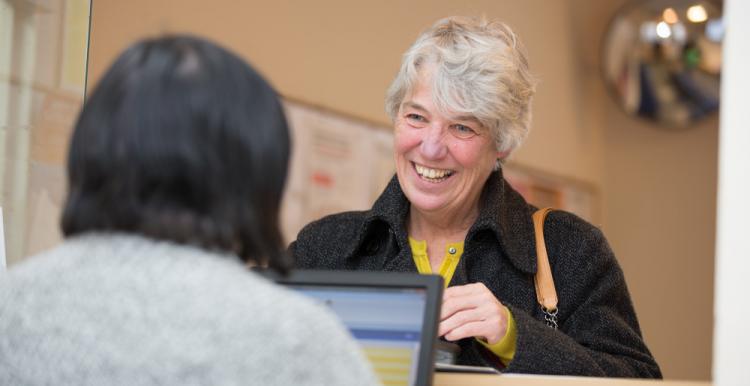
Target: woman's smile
[432, 175]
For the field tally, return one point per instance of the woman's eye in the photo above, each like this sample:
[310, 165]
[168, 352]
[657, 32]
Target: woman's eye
[415, 117]
[463, 131]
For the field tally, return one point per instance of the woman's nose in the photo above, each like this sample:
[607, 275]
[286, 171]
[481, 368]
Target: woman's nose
[433, 143]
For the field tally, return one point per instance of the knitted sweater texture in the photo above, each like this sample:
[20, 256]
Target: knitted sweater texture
[113, 309]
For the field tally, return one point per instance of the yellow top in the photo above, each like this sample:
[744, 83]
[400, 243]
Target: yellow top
[505, 348]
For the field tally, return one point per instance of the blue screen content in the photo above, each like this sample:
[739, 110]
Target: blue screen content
[386, 322]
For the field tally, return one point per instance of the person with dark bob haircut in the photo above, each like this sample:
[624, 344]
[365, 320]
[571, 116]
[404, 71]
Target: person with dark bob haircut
[175, 173]
[182, 142]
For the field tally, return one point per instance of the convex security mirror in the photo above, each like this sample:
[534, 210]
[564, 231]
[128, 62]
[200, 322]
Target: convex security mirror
[661, 60]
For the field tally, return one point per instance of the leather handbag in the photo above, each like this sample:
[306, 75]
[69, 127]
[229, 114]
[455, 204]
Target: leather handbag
[543, 281]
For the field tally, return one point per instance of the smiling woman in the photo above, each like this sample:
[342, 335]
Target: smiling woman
[460, 105]
[442, 161]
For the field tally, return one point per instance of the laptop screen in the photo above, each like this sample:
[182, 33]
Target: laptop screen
[392, 316]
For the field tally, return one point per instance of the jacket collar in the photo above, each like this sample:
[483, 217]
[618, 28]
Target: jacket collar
[506, 214]
[503, 212]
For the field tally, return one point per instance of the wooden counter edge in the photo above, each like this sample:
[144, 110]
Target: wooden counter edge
[459, 379]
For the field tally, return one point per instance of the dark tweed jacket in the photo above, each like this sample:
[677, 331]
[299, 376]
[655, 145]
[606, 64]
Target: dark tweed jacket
[598, 331]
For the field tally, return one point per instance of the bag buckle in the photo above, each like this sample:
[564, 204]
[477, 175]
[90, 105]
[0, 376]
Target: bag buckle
[550, 317]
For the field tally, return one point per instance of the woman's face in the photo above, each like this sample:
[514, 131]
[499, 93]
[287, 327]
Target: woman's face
[442, 160]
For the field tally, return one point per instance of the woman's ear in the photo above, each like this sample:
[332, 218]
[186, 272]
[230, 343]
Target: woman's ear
[500, 157]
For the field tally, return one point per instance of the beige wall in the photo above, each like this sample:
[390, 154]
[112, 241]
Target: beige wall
[658, 187]
[659, 205]
[660, 191]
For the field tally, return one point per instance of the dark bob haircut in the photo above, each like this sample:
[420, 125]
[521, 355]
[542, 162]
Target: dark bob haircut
[182, 141]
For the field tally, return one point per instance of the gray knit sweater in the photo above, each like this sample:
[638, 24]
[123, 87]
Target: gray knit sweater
[105, 309]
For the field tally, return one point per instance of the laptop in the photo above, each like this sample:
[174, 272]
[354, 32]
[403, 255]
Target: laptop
[393, 316]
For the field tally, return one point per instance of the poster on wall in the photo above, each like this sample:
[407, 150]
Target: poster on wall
[548, 190]
[340, 163]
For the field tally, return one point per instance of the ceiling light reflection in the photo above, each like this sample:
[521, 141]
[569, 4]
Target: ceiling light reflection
[670, 15]
[663, 30]
[697, 14]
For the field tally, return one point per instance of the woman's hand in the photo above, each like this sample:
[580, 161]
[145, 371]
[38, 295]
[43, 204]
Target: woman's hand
[471, 310]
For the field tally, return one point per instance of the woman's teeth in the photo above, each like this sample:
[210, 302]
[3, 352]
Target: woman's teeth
[432, 174]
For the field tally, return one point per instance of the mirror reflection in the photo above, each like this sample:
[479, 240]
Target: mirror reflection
[662, 60]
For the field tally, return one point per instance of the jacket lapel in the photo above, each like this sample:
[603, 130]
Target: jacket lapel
[507, 215]
[502, 211]
[391, 208]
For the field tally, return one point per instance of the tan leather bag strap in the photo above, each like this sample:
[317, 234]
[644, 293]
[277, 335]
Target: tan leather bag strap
[545, 285]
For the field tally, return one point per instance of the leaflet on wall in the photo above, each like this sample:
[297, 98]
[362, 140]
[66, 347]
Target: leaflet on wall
[382, 164]
[547, 190]
[338, 164]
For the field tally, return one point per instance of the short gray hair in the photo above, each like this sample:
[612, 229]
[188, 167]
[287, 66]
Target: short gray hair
[480, 69]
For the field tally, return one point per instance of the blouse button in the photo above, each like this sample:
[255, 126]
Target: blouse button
[452, 250]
